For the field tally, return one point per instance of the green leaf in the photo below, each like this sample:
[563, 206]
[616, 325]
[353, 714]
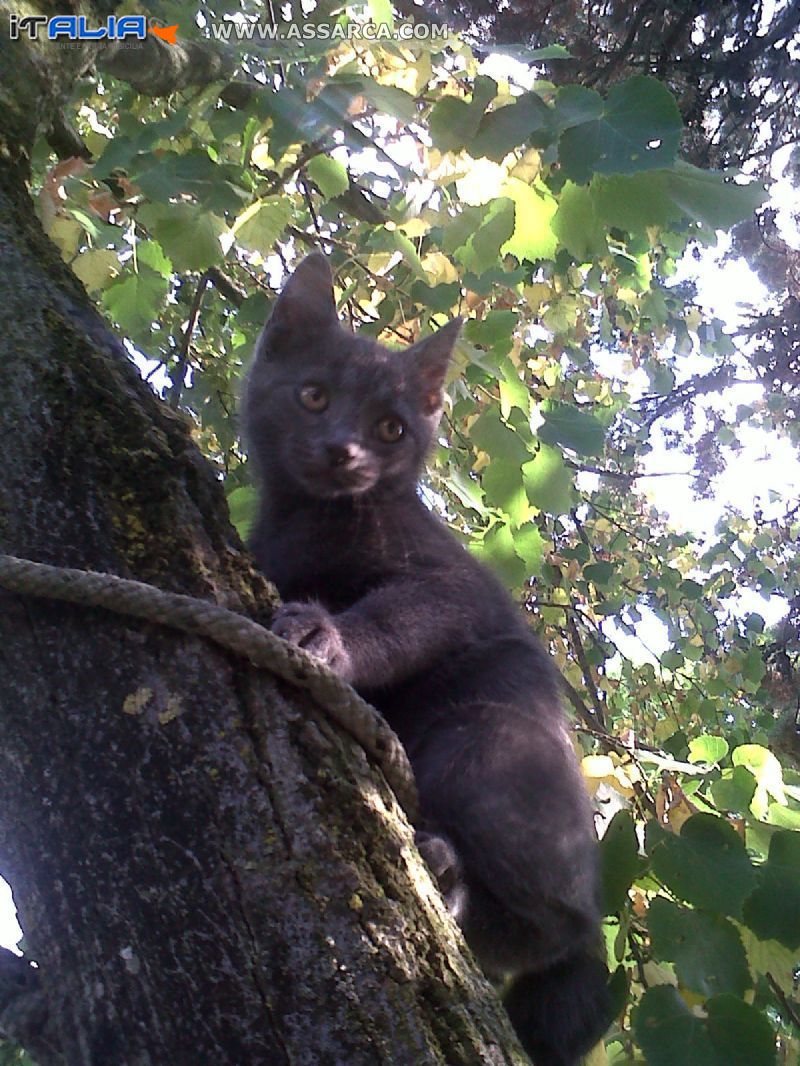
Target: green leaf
[243, 507]
[767, 771]
[599, 573]
[735, 1034]
[439, 298]
[329, 175]
[481, 249]
[773, 909]
[389, 99]
[705, 196]
[459, 228]
[381, 12]
[499, 441]
[753, 667]
[524, 54]
[577, 226]
[529, 546]
[170, 175]
[735, 790]
[549, 481]
[514, 393]
[691, 590]
[668, 1032]
[188, 234]
[136, 301]
[502, 483]
[707, 950]
[259, 227]
[122, 150]
[576, 105]
[672, 660]
[707, 749]
[497, 551]
[639, 129]
[633, 202]
[453, 122]
[785, 817]
[468, 491]
[740, 1033]
[509, 127]
[497, 328]
[151, 254]
[572, 428]
[707, 865]
[620, 862]
[534, 207]
[408, 251]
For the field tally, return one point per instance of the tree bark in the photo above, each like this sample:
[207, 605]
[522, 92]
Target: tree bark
[205, 869]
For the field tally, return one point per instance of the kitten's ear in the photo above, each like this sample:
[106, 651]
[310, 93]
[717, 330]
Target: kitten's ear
[430, 358]
[305, 305]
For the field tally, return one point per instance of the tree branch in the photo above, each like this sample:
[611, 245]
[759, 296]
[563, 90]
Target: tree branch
[158, 69]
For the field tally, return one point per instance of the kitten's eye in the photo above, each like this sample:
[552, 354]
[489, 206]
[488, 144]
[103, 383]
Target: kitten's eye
[390, 429]
[313, 398]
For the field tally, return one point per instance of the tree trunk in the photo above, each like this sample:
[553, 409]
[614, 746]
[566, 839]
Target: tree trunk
[206, 870]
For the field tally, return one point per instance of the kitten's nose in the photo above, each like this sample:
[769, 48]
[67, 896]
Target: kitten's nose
[342, 453]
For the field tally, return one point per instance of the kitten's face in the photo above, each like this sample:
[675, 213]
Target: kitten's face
[333, 414]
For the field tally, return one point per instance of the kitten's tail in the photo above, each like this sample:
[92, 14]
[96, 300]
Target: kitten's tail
[561, 1013]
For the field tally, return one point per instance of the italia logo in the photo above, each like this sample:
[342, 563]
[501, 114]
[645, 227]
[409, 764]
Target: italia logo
[75, 28]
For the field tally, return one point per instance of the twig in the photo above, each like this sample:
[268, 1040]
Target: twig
[309, 201]
[782, 998]
[637, 956]
[179, 379]
[226, 287]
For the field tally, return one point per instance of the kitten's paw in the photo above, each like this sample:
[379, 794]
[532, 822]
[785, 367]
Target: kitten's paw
[445, 865]
[311, 627]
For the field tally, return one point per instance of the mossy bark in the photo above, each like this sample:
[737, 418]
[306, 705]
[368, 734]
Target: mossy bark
[206, 870]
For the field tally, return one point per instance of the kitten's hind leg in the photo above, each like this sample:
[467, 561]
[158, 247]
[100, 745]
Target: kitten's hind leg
[445, 865]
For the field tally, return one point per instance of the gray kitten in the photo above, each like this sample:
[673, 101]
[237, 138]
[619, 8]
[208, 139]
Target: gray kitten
[375, 585]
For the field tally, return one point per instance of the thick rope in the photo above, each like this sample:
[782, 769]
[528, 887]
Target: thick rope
[234, 632]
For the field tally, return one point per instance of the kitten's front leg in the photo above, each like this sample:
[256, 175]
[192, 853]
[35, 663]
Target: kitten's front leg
[445, 865]
[311, 627]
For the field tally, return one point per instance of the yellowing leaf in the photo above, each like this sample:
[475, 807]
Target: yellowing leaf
[534, 207]
[260, 156]
[439, 268]
[415, 227]
[597, 766]
[528, 167]
[537, 294]
[66, 233]
[96, 268]
[766, 769]
[606, 769]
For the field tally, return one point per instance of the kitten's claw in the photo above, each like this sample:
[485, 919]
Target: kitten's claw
[312, 628]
